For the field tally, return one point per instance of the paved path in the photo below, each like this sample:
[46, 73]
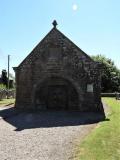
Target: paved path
[42, 136]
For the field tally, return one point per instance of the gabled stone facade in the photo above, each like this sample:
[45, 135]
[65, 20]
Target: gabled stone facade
[58, 75]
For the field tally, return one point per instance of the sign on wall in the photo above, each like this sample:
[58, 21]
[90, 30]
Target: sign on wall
[89, 87]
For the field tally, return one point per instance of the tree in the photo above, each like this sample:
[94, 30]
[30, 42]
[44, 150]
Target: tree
[110, 80]
[4, 77]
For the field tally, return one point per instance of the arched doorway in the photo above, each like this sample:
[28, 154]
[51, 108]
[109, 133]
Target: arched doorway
[56, 93]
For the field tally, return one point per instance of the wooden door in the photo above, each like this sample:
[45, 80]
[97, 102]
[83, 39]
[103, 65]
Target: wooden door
[57, 97]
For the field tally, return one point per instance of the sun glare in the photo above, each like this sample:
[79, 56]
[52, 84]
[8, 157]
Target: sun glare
[74, 7]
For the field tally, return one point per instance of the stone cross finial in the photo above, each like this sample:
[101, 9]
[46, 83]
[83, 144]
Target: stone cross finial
[54, 23]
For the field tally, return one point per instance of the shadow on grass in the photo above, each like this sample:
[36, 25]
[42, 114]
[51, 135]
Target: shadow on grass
[106, 119]
[9, 104]
[44, 119]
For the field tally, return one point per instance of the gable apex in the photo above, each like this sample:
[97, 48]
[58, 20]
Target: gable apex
[53, 35]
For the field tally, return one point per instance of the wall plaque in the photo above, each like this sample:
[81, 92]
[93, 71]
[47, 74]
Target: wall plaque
[89, 87]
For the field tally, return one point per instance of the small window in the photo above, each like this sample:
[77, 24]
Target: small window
[89, 87]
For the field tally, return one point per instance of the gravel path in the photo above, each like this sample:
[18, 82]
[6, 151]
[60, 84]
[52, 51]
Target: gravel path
[42, 136]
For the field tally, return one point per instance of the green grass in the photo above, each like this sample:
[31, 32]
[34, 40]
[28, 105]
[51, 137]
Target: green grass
[2, 86]
[104, 141]
[5, 102]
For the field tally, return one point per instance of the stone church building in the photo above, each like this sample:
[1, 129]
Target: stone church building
[58, 75]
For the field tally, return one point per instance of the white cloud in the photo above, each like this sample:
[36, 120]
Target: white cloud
[74, 7]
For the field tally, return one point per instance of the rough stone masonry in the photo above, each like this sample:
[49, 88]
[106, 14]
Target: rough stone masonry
[58, 75]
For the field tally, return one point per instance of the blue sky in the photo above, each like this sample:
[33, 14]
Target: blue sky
[94, 25]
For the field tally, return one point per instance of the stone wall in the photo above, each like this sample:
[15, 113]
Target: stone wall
[57, 56]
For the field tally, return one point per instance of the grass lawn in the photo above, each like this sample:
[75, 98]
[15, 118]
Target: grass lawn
[5, 102]
[104, 141]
